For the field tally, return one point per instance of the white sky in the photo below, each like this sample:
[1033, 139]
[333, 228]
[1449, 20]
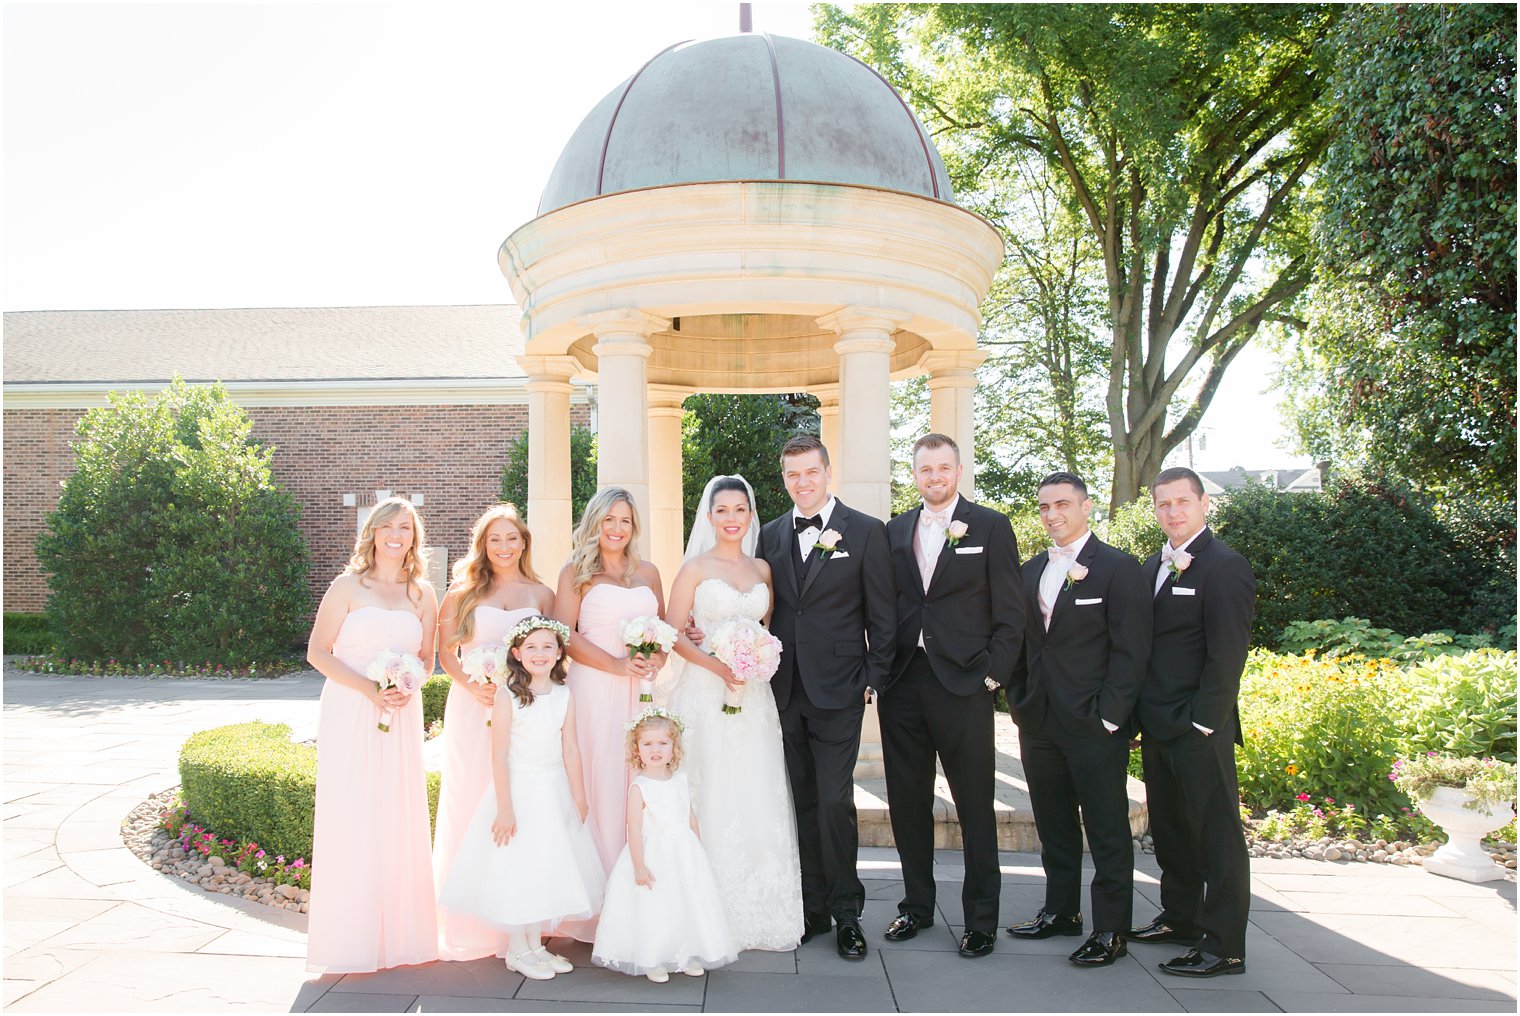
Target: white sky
[268, 155]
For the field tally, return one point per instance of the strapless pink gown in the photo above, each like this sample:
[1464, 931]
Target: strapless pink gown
[604, 703]
[466, 779]
[372, 903]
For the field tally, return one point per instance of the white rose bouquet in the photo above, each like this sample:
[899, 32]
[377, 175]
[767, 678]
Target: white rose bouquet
[751, 652]
[486, 664]
[395, 670]
[645, 636]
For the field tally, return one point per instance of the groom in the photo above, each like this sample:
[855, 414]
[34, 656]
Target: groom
[834, 613]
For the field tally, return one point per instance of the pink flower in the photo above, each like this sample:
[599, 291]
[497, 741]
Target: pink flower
[1180, 562]
[954, 532]
[1076, 573]
[1303, 797]
[407, 682]
[828, 541]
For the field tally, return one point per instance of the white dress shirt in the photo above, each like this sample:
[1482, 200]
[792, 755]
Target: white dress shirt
[809, 536]
[929, 541]
[1162, 574]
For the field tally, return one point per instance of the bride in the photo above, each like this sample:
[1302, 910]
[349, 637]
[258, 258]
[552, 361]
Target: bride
[733, 761]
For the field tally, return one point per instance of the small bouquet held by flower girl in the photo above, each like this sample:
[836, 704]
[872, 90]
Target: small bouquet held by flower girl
[751, 652]
[486, 664]
[645, 636]
[395, 670]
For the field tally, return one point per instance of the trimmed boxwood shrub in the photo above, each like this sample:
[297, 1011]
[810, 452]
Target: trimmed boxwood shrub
[248, 781]
[435, 695]
[27, 634]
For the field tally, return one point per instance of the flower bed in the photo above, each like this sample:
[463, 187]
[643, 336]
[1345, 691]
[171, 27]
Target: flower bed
[74, 667]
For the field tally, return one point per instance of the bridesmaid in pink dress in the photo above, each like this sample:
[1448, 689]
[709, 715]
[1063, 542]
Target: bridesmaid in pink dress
[603, 587]
[494, 587]
[372, 887]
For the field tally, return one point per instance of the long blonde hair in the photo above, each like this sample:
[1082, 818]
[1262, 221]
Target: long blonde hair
[586, 552]
[472, 573]
[413, 566]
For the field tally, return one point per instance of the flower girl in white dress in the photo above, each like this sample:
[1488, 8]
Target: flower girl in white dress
[662, 911]
[527, 860]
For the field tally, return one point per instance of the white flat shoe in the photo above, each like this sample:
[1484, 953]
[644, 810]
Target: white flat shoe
[556, 963]
[658, 975]
[530, 966]
[693, 969]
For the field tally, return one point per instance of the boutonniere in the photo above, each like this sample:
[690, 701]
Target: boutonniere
[954, 532]
[1076, 573]
[828, 542]
[1179, 563]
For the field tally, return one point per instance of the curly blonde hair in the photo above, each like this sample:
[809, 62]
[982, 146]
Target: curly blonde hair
[472, 573]
[676, 753]
[586, 555]
[413, 566]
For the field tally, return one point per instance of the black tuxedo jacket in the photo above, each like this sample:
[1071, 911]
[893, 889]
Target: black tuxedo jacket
[836, 629]
[1090, 665]
[972, 615]
[1202, 633]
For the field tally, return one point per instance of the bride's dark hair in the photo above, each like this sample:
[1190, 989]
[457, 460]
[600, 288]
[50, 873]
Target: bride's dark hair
[728, 483]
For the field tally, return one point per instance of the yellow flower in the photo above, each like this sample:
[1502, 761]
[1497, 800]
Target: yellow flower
[1291, 770]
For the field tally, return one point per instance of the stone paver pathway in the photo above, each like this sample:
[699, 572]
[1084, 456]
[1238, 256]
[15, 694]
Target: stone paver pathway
[89, 927]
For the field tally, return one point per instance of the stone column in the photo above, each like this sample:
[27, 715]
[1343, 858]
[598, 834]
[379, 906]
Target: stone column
[952, 391]
[548, 507]
[622, 447]
[828, 418]
[865, 405]
[666, 544]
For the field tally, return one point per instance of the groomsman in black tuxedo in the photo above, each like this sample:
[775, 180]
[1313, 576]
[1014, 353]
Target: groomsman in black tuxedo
[960, 622]
[1073, 697]
[1205, 597]
[832, 611]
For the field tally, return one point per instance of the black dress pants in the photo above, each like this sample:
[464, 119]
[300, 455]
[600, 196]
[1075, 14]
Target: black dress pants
[821, 746]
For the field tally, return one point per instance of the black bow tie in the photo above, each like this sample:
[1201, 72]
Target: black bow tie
[803, 522]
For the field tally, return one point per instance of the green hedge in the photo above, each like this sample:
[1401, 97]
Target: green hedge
[435, 695]
[249, 782]
[27, 634]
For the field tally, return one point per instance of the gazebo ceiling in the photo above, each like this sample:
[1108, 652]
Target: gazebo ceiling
[748, 107]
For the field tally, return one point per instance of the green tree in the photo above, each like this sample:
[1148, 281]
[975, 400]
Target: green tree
[1409, 362]
[171, 538]
[1181, 136]
[741, 434]
[514, 475]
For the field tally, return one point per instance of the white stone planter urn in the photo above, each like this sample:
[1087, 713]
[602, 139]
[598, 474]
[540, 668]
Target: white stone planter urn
[1463, 855]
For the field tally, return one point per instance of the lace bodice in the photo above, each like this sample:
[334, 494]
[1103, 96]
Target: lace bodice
[715, 601]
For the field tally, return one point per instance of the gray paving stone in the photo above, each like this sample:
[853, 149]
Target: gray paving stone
[598, 985]
[146, 982]
[1416, 941]
[1020, 983]
[1298, 1001]
[131, 927]
[1269, 963]
[1381, 904]
[358, 1001]
[761, 961]
[742, 991]
[1435, 982]
[445, 1003]
[1223, 1000]
[483, 978]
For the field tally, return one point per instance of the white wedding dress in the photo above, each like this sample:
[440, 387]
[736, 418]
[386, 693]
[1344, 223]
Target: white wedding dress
[739, 786]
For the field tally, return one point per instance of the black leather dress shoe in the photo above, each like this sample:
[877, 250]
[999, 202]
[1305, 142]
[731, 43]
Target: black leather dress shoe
[814, 925]
[905, 926]
[1046, 924]
[977, 943]
[1160, 930]
[1101, 949]
[1197, 963]
[850, 939]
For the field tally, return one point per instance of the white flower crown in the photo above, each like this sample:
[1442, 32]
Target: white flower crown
[656, 713]
[532, 624]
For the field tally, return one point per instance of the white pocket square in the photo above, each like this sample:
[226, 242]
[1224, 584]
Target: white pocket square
[1087, 603]
[969, 550]
[839, 554]
[1183, 591]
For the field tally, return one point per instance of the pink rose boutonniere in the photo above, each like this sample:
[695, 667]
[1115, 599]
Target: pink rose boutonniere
[954, 532]
[828, 542]
[1179, 563]
[1076, 573]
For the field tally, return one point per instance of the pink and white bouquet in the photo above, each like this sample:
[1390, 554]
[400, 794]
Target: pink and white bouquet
[402, 671]
[751, 652]
[645, 636]
[486, 664]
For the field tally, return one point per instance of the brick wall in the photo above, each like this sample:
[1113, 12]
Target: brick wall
[451, 454]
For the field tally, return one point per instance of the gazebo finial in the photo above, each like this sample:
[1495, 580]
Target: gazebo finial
[746, 19]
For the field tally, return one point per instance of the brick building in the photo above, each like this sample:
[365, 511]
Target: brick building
[415, 400]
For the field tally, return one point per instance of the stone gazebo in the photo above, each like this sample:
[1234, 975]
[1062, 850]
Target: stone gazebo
[746, 214]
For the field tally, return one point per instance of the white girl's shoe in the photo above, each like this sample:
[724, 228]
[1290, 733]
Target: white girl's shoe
[557, 963]
[693, 969]
[658, 975]
[530, 966]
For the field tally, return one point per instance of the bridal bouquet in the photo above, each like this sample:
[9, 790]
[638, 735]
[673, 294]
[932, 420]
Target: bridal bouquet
[751, 652]
[395, 670]
[486, 664]
[645, 636]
